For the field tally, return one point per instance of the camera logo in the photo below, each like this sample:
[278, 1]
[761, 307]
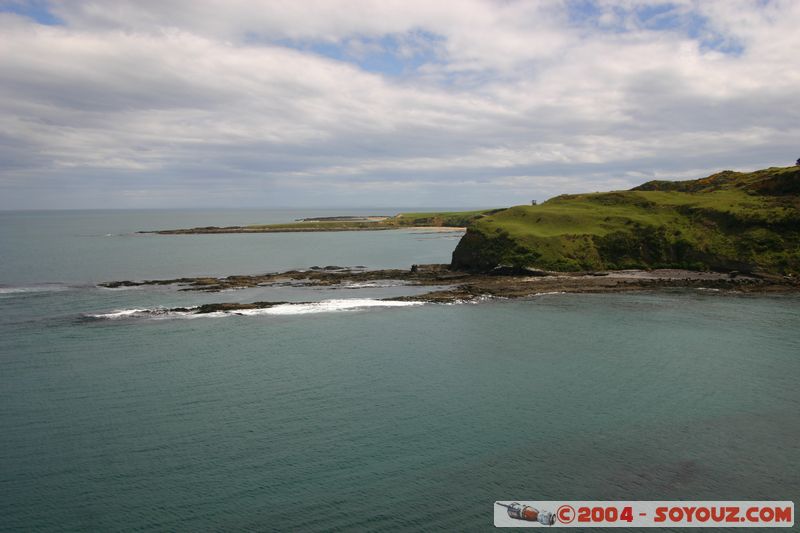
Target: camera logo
[529, 514]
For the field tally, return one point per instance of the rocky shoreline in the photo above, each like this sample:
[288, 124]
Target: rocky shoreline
[464, 286]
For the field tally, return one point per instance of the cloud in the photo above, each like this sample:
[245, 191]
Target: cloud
[376, 103]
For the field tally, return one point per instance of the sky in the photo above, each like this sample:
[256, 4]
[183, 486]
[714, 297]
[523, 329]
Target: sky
[371, 103]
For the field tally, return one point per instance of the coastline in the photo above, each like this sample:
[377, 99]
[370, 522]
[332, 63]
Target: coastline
[294, 229]
[441, 221]
[463, 286]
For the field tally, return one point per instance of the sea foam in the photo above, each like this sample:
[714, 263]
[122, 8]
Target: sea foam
[325, 306]
[32, 289]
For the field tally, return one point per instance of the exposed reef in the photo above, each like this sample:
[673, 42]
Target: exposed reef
[314, 276]
[503, 282]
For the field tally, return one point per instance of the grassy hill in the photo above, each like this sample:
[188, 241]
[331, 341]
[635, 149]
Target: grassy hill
[728, 221]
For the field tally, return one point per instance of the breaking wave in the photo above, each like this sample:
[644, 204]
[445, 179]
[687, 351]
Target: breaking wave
[325, 306]
[32, 289]
[156, 312]
[372, 284]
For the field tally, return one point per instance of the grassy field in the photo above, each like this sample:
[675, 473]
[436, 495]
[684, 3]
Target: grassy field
[451, 219]
[438, 219]
[321, 226]
[444, 219]
[741, 221]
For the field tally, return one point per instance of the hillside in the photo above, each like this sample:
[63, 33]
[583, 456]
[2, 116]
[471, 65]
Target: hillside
[748, 222]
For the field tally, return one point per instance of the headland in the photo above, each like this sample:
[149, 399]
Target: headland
[731, 231]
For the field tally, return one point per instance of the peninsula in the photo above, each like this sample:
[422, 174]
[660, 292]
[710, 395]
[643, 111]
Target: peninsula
[730, 231]
[729, 222]
[454, 220]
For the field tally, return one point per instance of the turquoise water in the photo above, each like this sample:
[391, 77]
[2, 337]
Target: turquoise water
[413, 418]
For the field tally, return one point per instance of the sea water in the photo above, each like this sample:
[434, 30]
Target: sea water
[340, 412]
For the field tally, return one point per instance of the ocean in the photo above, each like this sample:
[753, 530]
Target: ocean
[345, 414]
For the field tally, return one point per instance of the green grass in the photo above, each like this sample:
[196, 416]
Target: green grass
[444, 218]
[439, 219]
[730, 220]
[345, 224]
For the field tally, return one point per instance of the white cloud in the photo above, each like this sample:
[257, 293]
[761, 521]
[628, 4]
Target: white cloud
[259, 98]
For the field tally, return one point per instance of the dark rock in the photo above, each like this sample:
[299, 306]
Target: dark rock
[117, 284]
[227, 306]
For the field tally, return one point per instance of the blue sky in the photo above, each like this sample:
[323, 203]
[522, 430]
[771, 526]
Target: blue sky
[477, 102]
[38, 11]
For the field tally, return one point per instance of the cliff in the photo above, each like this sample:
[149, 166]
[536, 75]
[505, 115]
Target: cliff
[748, 222]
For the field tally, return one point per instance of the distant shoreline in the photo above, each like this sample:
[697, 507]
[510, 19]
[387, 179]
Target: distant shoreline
[439, 221]
[246, 229]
